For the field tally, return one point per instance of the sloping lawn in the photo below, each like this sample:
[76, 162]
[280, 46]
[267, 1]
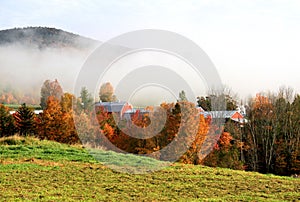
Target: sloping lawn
[33, 170]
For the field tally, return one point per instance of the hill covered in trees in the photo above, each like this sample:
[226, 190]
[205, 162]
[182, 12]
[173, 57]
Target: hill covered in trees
[44, 37]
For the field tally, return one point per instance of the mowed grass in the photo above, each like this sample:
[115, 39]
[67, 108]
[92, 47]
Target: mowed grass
[33, 170]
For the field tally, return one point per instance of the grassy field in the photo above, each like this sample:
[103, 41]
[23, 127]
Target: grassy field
[16, 106]
[33, 170]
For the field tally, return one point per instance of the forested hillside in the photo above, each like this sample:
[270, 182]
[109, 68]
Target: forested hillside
[43, 37]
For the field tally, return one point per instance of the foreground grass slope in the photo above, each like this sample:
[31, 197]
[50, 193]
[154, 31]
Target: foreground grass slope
[49, 171]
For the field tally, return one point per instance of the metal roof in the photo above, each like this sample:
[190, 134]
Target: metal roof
[111, 106]
[223, 115]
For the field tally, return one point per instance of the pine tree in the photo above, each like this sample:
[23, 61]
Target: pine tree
[25, 122]
[85, 103]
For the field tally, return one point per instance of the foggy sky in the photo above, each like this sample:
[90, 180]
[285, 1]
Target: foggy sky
[26, 68]
[254, 44]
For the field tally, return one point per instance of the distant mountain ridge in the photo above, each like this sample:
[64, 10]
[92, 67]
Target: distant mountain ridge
[44, 37]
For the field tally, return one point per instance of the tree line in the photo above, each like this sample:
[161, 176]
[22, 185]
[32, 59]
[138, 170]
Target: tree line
[267, 142]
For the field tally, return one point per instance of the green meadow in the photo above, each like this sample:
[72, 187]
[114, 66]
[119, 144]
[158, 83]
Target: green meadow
[34, 170]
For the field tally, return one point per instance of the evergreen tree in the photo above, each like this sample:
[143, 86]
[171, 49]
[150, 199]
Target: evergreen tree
[25, 122]
[85, 101]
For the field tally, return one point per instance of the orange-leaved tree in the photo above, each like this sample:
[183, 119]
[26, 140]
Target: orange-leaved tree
[50, 88]
[191, 156]
[56, 124]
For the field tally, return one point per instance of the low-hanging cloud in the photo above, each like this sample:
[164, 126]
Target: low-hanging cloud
[26, 64]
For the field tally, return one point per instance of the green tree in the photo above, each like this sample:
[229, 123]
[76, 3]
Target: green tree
[25, 120]
[85, 102]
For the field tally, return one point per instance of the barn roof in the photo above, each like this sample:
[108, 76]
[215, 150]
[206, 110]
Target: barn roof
[111, 106]
[233, 115]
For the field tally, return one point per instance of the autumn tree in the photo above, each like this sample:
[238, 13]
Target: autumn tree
[88, 130]
[292, 139]
[108, 129]
[25, 120]
[50, 88]
[106, 93]
[135, 132]
[7, 126]
[191, 156]
[182, 127]
[104, 117]
[8, 97]
[225, 153]
[272, 133]
[287, 111]
[67, 101]
[262, 134]
[57, 124]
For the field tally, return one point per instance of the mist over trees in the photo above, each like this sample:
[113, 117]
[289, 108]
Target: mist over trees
[29, 56]
[267, 142]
